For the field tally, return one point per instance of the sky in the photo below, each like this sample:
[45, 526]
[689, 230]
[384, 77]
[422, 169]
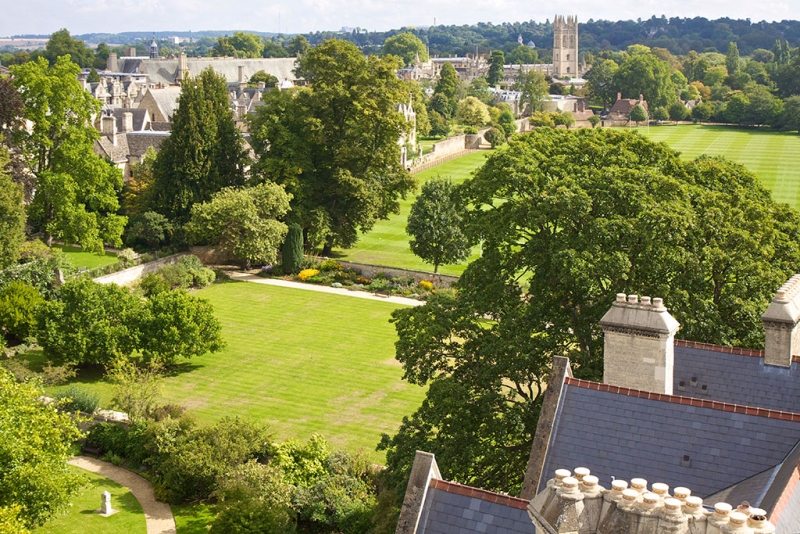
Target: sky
[304, 16]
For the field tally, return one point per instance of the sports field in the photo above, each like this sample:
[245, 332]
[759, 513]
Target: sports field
[773, 156]
[300, 361]
[387, 243]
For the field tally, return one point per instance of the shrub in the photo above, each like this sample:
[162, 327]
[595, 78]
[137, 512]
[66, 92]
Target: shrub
[305, 274]
[316, 279]
[18, 300]
[330, 265]
[594, 120]
[78, 399]
[427, 285]
[153, 284]
[177, 276]
[495, 137]
[470, 130]
[126, 256]
[292, 252]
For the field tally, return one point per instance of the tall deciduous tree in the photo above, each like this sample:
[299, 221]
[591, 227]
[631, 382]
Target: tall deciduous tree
[434, 223]
[407, 47]
[496, 63]
[569, 218]
[448, 83]
[205, 151]
[334, 145]
[601, 82]
[34, 476]
[472, 112]
[245, 223]
[76, 190]
[61, 43]
[12, 215]
[533, 87]
[643, 73]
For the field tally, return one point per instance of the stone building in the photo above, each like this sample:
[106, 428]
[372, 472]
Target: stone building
[565, 47]
[723, 422]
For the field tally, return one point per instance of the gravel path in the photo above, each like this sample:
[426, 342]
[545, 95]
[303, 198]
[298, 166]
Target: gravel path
[158, 515]
[245, 277]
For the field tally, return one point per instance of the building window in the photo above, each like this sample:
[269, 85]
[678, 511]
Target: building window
[567, 57]
[567, 68]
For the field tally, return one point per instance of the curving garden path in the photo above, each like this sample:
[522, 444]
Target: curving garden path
[158, 515]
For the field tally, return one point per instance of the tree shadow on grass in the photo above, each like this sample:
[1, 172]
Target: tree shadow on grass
[180, 368]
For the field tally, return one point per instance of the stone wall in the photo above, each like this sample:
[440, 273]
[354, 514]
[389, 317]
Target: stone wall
[448, 146]
[129, 276]
[371, 270]
[210, 255]
[425, 162]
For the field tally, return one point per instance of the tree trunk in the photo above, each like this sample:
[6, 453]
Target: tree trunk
[327, 250]
[48, 239]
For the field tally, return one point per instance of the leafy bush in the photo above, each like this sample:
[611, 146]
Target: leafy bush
[149, 228]
[177, 276]
[330, 265]
[39, 269]
[18, 300]
[495, 137]
[153, 284]
[78, 399]
[305, 274]
[470, 130]
[126, 256]
[427, 285]
[198, 459]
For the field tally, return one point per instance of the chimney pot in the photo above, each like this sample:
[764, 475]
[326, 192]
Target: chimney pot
[757, 517]
[722, 510]
[569, 485]
[682, 493]
[618, 486]
[639, 484]
[561, 474]
[658, 302]
[633, 299]
[646, 301]
[693, 504]
[621, 297]
[630, 496]
[661, 489]
[581, 472]
[673, 506]
[651, 500]
[738, 518]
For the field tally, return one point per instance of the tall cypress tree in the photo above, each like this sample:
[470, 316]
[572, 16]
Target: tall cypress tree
[204, 153]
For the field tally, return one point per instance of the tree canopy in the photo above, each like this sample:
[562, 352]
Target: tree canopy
[568, 219]
[245, 223]
[434, 224]
[533, 87]
[496, 63]
[205, 151]
[12, 215]
[334, 145]
[35, 480]
[407, 47]
[76, 190]
[644, 73]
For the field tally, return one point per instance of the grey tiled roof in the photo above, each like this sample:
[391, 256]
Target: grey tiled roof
[165, 71]
[139, 116]
[450, 513]
[627, 436]
[139, 142]
[736, 379]
[789, 519]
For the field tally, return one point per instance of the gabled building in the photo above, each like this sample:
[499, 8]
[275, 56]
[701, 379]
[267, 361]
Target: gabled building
[717, 428]
[621, 109]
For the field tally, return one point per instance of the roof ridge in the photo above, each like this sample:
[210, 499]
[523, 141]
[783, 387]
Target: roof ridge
[687, 401]
[757, 353]
[482, 494]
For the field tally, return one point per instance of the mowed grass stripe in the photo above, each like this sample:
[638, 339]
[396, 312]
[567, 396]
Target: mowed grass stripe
[387, 243]
[301, 361]
[773, 156]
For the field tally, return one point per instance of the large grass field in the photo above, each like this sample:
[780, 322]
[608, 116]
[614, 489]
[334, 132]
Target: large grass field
[387, 243]
[81, 516]
[301, 361]
[773, 156]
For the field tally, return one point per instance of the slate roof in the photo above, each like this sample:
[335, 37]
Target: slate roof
[139, 142]
[627, 433]
[452, 508]
[165, 99]
[140, 118]
[117, 153]
[737, 376]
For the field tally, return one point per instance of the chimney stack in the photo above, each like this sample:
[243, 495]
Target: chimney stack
[780, 324]
[638, 348]
[127, 121]
[183, 67]
[111, 62]
[108, 126]
[242, 81]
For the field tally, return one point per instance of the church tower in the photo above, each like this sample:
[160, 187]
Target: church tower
[565, 47]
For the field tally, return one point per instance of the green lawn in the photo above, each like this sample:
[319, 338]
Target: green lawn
[192, 518]
[773, 156]
[387, 243]
[86, 260]
[81, 516]
[301, 361]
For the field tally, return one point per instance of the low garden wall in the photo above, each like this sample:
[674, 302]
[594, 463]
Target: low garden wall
[130, 275]
[210, 255]
[370, 271]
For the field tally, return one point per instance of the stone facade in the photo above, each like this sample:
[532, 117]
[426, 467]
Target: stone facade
[565, 47]
[780, 324]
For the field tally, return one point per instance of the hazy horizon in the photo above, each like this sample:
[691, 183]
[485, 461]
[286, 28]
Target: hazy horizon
[43, 17]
